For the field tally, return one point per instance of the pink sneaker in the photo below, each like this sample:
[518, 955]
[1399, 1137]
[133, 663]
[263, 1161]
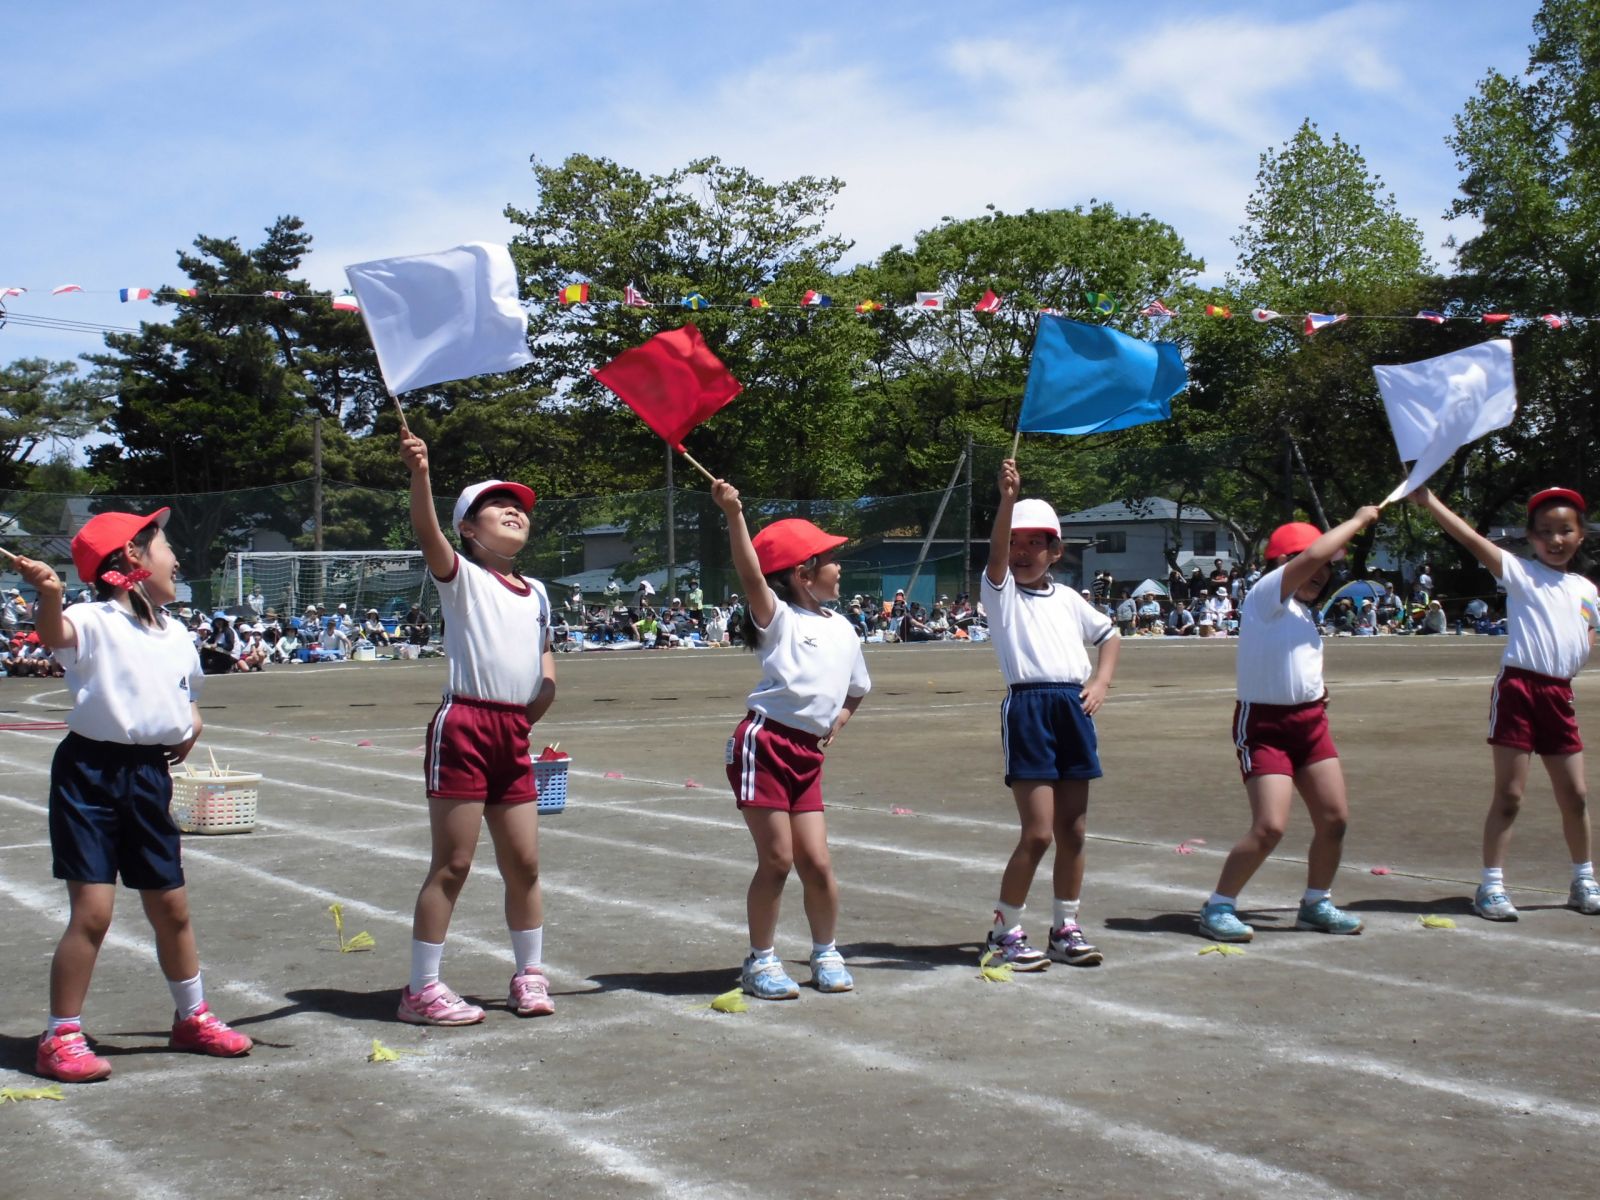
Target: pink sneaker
[204, 1033]
[436, 1005]
[67, 1057]
[530, 994]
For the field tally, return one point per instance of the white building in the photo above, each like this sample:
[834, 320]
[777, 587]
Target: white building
[1131, 539]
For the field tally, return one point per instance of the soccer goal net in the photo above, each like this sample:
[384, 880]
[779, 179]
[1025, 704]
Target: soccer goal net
[390, 581]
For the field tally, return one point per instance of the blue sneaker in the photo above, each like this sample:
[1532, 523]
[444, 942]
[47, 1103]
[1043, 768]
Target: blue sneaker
[1584, 895]
[765, 979]
[1221, 924]
[1492, 904]
[1323, 917]
[828, 972]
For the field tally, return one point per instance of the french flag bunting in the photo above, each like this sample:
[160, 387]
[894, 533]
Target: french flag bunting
[126, 294]
[1316, 321]
[816, 300]
[989, 303]
[1433, 318]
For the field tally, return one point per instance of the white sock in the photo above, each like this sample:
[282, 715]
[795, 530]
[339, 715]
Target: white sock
[1007, 916]
[1494, 877]
[1219, 898]
[187, 994]
[1063, 912]
[824, 948]
[763, 955]
[527, 945]
[57, 1022]
[1314, 895]
[425, 960]
[1583, 870]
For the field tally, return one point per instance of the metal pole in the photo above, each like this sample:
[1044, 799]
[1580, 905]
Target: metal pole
[966, 550]
[933, 527]
[672, 537]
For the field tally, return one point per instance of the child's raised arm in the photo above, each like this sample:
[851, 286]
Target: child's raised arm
[763, 604]
[1000, 535]
[1479, 546]
[437, 551]
[54, 630]
[1324, 550]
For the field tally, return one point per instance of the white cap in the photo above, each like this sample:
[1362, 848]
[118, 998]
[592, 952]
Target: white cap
[1035, 514]
[469, 497]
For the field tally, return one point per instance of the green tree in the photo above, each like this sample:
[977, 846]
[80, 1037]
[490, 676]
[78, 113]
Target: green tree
[1529, 153]
[42, 404]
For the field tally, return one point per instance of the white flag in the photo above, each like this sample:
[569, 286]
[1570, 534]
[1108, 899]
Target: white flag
[1441, 404]
[933, 300]
[437, 317]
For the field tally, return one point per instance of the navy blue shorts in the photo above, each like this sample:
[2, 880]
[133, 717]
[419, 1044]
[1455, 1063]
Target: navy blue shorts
[110, 814]
[1046, 734]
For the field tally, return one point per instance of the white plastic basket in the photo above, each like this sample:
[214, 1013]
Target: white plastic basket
[550, 776]
[215, 801]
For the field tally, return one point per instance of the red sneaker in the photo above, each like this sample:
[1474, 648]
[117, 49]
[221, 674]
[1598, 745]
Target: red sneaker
[203, 1033]
[67, 1057]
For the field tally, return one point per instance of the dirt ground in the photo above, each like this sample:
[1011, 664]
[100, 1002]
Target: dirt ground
[1404, 1062]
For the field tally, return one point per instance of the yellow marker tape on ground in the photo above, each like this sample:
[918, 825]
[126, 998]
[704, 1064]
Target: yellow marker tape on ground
[729, 1002]
[1436, 922]
[382, 1053]
[1222, 948]
[18, 1095]
[1000, 974]
[361, 941]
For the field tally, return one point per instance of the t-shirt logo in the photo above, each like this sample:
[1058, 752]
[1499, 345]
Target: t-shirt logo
[183, 684]
[809, 640]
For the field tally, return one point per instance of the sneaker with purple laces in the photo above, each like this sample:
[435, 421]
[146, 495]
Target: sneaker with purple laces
[205, 1033]
[1012, 949]
[1068, 945]
[530, 993]
[436, 1005]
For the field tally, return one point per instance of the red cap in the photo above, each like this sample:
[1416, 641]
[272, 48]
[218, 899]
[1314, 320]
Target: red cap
[1567, 494]
[1291, 539]
[106, 533]
[788, 543]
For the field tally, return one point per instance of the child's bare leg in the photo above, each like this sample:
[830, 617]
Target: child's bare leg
[73, 964]
[168, 912]
[1070, 826]
[814, 865]
[1567, 780]
[1510, 781]
[770, 829]
[1270, 797]
[1035, 800]
[454, 825]
[515, 830]
[1322, 787]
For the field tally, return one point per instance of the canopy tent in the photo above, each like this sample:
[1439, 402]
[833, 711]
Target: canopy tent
[1150, 587]
[1355, 591]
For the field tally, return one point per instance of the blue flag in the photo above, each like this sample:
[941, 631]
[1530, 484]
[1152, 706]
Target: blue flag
[1090, 379]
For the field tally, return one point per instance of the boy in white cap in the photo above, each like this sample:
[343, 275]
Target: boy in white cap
[1040, 631]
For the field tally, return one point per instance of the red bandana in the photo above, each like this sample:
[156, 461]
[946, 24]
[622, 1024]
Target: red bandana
[119, 580]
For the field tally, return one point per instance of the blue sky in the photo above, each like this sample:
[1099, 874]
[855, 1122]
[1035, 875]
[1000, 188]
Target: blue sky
[407, 127]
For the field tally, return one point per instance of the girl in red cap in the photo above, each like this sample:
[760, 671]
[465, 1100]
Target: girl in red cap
[1040, 630]
[1550, 611]
[813, 677]
[135, 677]
[502, 679]
[1280, 729]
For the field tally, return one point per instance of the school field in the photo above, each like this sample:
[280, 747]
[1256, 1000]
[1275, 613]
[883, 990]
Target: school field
[1408, 1061]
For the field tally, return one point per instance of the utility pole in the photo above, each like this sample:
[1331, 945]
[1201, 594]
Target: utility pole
[966, 550]
[316, 482]
[672, 536]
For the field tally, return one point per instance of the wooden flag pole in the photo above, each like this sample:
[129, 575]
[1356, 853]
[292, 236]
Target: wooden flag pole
[709, 476]
[404, 428]
[8, 554]
[1016, 440]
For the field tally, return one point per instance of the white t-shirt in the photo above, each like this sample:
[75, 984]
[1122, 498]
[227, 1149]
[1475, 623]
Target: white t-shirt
[495, 634]
[1546, 621]
[1039, 636]
[130, 684]
[1280, 650]
[810, 662]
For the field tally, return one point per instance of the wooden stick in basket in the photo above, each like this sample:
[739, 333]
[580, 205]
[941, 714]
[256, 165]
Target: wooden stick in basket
[215, 770]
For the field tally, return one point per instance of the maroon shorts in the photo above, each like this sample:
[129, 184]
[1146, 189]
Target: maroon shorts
[478, 750]
[1533, 712]
[774, 766]
[1281, 739]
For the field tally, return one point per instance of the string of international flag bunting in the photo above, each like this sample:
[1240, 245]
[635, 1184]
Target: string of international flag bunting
[1097, 303]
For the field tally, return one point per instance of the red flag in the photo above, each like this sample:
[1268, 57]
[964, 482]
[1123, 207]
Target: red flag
[1496, 318]
[989, 303]
[673, 382]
